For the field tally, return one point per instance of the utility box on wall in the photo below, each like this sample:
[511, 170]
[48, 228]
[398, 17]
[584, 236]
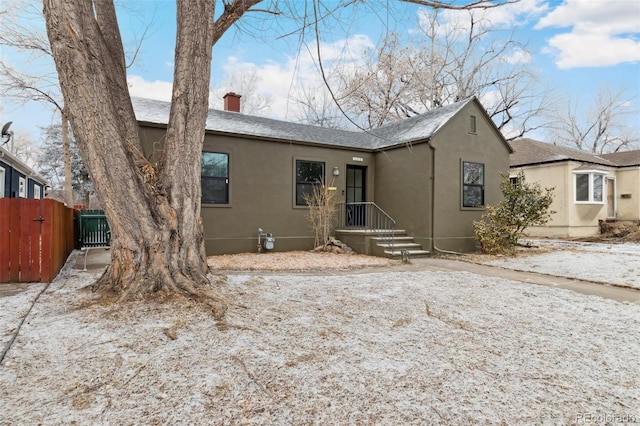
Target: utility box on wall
[269, 242]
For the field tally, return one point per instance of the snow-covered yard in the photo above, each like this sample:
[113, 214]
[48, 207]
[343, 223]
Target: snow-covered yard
[386, 347]
[617, 264]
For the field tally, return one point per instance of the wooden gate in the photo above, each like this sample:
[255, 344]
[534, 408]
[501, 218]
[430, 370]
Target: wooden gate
[36, 237]
[92, 229]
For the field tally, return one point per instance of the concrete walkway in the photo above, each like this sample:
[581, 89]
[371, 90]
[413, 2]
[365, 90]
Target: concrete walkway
[620, 294]
[93, 259]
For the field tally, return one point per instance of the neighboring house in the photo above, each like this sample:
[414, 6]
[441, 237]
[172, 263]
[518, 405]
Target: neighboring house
[17, 179]
[589, 188]
[433, 174]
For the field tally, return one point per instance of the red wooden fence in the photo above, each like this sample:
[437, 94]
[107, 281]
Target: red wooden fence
[36, 237]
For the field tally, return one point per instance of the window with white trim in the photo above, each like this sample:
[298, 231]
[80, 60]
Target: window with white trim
[2, 182]
[36, 192]
[22, 187]
[588, 187]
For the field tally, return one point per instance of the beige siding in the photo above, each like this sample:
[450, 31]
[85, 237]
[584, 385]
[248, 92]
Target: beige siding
[570, 219]
[628, 186]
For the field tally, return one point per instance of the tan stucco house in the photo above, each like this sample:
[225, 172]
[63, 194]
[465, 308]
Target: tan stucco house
[432, 175]
[589, 188]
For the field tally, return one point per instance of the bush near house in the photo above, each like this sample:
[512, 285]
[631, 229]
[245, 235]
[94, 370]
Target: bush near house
[323, 207]
[524, 205]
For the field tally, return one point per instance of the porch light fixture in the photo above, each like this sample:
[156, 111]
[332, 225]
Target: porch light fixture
[336, 171]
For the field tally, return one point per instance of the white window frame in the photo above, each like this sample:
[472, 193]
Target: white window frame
[22, 187]
[2, 181]
[592, 174]
[37, 193]
[514, 180]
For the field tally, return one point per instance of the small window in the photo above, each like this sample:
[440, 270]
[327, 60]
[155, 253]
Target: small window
[22, 187]
[36, 192]
[472, 124]
[2, 182]
[308, 175]
[589, 187]
[472, 184]
[514, 181]
[215, 178]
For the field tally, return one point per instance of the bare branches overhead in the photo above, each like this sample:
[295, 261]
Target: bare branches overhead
[478, 4]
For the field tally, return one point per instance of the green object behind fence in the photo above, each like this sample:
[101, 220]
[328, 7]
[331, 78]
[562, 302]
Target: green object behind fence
[93, 229]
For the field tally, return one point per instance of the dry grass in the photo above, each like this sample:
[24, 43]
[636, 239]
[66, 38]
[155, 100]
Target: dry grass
[298, 261]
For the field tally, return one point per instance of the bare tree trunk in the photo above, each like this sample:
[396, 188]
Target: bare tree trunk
[153, 209]
[66, 156]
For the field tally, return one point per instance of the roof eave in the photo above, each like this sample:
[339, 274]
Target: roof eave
[23, 167]
[539, 163]
[266, 138]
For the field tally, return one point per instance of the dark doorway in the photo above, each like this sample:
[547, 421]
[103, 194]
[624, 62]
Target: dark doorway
[356, 196]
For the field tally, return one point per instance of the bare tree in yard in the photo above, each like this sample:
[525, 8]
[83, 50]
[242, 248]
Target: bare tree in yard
[454, 62]
[472, 57]
[386, 89]
[153, 209]
[602, 126]
[23, 34]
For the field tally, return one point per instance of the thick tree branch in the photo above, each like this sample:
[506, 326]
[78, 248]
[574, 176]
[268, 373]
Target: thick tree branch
[231, 14]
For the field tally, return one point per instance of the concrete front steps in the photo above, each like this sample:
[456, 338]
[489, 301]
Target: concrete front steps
[379, 243]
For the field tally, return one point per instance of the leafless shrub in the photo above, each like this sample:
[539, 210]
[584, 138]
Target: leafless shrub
[323, 207]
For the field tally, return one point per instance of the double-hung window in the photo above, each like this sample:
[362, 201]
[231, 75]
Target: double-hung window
[22, 187]
[472, 184]
[309, 174]
[215, 178]
[589, 186]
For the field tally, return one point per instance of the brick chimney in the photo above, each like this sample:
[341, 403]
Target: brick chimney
[231, 102]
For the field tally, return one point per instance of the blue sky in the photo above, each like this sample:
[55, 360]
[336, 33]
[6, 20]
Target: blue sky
[576, 47]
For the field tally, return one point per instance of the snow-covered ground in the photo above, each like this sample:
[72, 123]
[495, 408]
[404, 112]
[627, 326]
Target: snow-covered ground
[386, 347]
[616, 264]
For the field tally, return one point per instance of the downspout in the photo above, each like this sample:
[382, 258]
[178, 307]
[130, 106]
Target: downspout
[434, 248]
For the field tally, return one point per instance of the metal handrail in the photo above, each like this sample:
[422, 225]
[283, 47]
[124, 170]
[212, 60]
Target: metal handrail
[367, 216]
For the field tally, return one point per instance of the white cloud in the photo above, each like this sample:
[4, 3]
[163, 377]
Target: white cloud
[517, 57]
[278, 81]
[602, 33]
[158, 90]
[456, 22]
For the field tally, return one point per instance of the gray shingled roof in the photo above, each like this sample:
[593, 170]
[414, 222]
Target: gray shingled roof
[416, 128]
[529, 151]
[624, 158]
